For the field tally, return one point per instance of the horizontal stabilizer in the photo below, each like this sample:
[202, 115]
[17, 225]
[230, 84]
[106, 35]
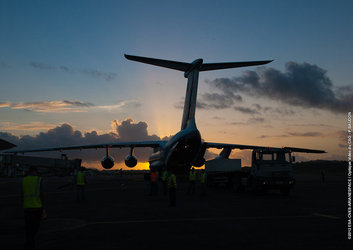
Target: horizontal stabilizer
[228, 65]
[162, 63]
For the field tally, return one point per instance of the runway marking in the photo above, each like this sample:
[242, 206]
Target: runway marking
[197, 219]
[327, 216]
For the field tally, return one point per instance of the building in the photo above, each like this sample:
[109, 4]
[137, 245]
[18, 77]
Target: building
[17, 165]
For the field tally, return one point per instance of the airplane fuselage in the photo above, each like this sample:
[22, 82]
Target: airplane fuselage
[180, 151]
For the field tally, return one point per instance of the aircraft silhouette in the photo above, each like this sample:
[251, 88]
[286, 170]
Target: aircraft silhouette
[185, 148]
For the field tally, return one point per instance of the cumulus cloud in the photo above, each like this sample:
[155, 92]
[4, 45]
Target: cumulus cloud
[49, 106]
[303, 85]
[66, 135]
[107, 76]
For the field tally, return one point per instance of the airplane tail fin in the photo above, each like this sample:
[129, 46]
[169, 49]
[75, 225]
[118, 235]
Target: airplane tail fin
[181, 66]
[228, 65]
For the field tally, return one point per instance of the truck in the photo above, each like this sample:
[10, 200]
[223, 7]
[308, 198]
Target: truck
[271, 168]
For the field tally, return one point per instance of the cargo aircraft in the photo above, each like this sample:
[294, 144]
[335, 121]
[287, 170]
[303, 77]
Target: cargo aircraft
[185, 148]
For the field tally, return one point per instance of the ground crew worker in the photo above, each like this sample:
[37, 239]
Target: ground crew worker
[203, 181]
[192, 180]
[33, 200]
[164, 179]
[172, 189]
[80, 185]
[154, 182]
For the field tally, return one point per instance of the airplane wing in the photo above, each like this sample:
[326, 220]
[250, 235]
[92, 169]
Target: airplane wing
[239, 146]
[139, 144]
[6, 145]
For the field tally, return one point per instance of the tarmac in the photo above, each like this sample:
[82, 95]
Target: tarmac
[118, 213]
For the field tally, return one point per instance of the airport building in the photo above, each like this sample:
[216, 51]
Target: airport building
[12, 165]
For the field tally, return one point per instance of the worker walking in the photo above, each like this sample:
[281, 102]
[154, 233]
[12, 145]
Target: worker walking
[154, 182]
[172, 189]
[203, 181]
[81, 182]
[164, 179]
[33, 201]
[192, 180]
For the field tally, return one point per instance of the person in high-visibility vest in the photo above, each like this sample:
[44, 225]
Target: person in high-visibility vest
[33, 201]
[192, 180]
[164, 179]
[203, 181]
[172, 189]
[81, 182]
[154, 182]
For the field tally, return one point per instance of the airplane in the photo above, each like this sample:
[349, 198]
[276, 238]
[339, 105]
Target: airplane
[185, 148]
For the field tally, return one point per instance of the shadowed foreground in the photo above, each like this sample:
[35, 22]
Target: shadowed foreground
[119, 214]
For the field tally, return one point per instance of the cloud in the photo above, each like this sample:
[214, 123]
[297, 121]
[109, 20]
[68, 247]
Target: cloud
[302, 85]
[31, 126]
[121, 105]
[49, 106]
[293, 134]
[107, 76]
[66, 135]
[256, 120]
[245, 110]
[43, 66]
[307, 134]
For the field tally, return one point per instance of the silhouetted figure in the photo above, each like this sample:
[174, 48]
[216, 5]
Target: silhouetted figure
[164, 179]
[154, 182]
[121, 172]
[33, 199]
[192, 180]
[172, 189]
[81, 182]
[323, 175]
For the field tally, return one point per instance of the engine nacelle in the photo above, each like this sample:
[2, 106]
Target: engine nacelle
[107, 162]
[130, 161]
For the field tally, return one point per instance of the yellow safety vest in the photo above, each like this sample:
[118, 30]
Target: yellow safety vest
[80, 179]
[192, 176]
[172, 181]
[203, 178]
[164, 176]
[31, 191]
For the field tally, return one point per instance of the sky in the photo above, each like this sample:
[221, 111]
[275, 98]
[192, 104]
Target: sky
[64, 79]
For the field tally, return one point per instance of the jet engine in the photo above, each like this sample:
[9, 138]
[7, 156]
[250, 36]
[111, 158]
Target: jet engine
[107, 162]
[130, 161]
